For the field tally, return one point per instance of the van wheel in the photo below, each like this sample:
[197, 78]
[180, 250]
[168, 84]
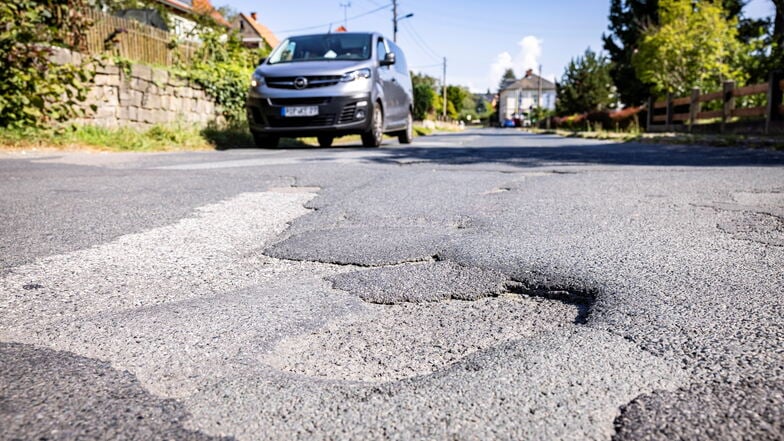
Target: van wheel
[407, 135]
[266, 141]
[375, 135]
[325, 141]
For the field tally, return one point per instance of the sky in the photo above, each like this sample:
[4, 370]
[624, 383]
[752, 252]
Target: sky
[480, 39]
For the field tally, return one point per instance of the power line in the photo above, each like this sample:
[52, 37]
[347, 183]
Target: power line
[372, 11]
[419, 41]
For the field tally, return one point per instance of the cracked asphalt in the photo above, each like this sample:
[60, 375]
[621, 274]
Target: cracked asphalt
[488, 284]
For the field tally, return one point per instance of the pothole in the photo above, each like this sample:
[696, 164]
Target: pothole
[424, 318]
[756, 227]
[425, 282]
[393, 342]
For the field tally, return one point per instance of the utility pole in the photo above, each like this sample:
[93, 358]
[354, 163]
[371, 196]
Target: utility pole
[444, 87]
[539, 96]
[396, 19]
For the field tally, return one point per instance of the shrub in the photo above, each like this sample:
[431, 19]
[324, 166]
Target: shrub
[34, 90]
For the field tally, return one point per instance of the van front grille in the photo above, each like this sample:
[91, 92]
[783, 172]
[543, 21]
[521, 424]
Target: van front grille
[315, 101]
[313, 82]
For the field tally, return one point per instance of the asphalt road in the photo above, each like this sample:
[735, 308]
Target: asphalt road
[484, 285]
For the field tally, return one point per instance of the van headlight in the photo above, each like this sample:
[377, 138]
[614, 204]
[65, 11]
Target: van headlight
[256, 80]
[355, 75]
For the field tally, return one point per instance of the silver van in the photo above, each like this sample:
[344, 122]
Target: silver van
[331, 85]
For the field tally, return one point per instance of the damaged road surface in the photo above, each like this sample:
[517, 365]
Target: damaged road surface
[483, 285]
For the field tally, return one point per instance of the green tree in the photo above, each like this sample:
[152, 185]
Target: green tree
[424, 95]
[586, 85]
[694, 46]
[628, 19]
[506, 79]
[451, 113]
[460, 97]
[770, 54]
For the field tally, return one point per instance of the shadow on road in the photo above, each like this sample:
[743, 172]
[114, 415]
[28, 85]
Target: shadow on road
[550, 150]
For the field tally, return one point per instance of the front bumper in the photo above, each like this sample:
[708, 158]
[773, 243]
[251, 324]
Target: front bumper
[337, 116]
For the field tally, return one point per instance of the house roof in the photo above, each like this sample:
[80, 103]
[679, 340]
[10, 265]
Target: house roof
[530, 82]
[200, 7]
[263, 31]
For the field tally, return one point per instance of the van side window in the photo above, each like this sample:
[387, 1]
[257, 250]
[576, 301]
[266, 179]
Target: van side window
[381, 50]
[400, 60]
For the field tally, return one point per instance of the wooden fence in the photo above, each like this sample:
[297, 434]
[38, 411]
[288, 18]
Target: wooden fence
[135, 41]
[686, 113]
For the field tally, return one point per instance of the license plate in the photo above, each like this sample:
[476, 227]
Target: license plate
[300, 111]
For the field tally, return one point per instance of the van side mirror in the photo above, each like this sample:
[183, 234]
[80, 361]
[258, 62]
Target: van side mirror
[262, 60]
[389, 59]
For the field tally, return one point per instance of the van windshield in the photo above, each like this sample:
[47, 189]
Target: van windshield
[323, 47]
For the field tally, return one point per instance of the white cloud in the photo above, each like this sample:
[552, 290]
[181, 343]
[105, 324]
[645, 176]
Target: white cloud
[527, 57]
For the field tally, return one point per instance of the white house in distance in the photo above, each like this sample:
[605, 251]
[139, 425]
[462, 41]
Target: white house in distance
[527, 93]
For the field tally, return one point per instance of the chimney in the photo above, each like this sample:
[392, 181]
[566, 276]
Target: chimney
[253, 16]
[528, 73]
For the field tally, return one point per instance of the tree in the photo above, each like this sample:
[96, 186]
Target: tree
[506, 79]
[628, 20]
[694, 46]
[586, 85]
[776, 58]
[460, 97]
[424, 95]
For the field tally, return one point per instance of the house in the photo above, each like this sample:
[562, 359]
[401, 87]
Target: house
[253, 33]
[525, 94]
[183, 16]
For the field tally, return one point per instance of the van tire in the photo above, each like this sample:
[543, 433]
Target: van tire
[407, 135]
[266, 141]
[325, 141]
[374, 136]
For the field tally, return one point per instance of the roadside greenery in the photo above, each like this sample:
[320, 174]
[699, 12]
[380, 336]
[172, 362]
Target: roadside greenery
[34, 90]
[695, 45]
[39, 96]
[655, 47]
[223, 66]
[462, 105]
[156, 138]
[586, 85]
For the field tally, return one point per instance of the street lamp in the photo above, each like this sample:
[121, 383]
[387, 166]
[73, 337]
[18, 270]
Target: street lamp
[396, 19]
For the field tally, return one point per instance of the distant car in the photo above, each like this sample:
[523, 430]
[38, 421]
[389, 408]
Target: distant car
[508, 123]
[330, 85]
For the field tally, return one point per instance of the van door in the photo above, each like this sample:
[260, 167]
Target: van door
[386, 75]
[403, 87]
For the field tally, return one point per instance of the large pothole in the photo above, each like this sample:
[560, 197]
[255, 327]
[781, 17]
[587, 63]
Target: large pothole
[424, 317]
[392, 342]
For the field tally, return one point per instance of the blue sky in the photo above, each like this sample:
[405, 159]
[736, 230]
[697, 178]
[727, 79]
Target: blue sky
[479, 38]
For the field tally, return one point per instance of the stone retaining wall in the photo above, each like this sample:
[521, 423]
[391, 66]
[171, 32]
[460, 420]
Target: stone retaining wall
[143, 97]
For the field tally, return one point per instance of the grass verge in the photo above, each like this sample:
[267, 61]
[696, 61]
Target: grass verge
[159, 138]
[727, 140]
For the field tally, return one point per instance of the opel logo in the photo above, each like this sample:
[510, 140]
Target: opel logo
[300, 83]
